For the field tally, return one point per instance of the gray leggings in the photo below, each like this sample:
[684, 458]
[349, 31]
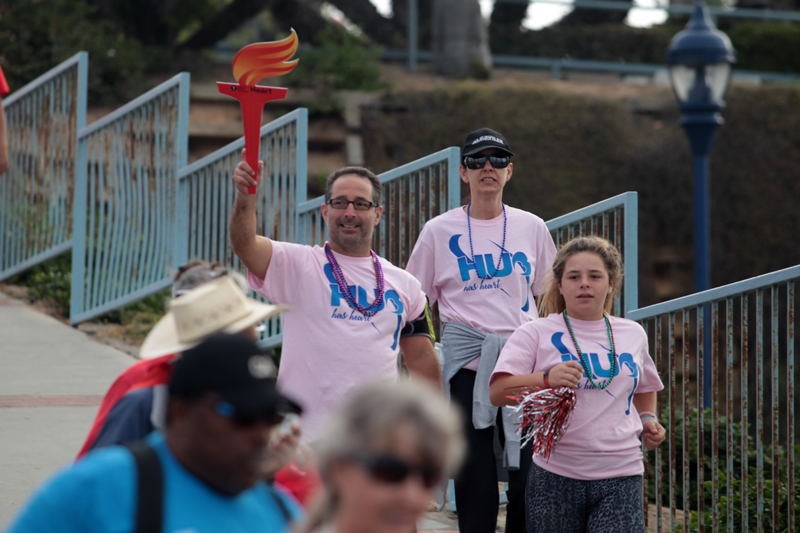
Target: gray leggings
[557, 504]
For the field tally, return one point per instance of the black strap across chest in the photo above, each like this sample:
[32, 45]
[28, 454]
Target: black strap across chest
[150, 490]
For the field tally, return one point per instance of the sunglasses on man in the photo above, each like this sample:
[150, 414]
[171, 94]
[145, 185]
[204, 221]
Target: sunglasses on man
[245, 420]
[389, 469]
[475, 163]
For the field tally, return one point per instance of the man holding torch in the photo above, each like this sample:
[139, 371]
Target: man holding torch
[351, 311]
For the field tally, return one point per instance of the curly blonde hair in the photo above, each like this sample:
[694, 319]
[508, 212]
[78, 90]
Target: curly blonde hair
[552, 301]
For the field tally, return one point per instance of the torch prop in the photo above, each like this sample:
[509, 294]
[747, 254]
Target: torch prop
[251, 64]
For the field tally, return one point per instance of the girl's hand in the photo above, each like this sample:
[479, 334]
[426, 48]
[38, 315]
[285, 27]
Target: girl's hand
[565, 375]
[653, 434]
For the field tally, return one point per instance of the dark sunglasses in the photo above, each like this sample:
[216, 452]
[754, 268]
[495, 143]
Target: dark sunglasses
[390, 469]
[475, 163]
[243, 419]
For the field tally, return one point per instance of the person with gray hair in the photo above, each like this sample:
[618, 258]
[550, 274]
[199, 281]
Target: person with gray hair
[383, 451]
[136, 402]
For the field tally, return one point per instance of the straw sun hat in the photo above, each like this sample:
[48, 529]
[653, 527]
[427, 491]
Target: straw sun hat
[216, 306]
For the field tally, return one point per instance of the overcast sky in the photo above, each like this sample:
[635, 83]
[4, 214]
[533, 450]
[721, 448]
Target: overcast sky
[541, 15]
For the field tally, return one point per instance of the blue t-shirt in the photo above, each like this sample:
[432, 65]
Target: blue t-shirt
[98, 494]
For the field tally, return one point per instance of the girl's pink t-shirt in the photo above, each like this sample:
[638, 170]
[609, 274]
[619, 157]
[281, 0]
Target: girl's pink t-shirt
[330, 349]
[601, 440]
[442, 261]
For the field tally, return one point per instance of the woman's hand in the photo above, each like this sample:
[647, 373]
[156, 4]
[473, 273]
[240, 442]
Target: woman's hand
[653, 434]
[565, 375]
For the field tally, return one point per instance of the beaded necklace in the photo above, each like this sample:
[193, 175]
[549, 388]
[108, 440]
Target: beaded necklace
[370, 310]
[502, 248]
[585, 364]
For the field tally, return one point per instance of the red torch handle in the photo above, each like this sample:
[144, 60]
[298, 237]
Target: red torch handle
[252, 99]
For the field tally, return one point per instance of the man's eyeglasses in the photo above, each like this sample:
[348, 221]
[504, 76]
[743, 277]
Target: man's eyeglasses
[243, 419]
[358, 205]
[475, 163]
[390, 469]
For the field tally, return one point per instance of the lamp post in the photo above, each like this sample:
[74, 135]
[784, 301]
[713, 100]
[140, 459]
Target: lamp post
[700, 59]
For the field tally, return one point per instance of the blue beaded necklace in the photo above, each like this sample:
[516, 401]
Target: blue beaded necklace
[502, 248]
[370, 310]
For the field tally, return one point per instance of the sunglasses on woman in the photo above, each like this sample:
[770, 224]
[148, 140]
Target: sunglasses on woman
[389, 469]
[475, 163]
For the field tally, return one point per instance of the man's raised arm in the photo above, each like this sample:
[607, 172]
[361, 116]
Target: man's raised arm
[254, 250]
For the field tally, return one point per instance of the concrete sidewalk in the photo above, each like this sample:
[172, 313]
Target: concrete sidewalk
[52, 378]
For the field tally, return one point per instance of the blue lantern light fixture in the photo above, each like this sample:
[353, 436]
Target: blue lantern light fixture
[700, 59]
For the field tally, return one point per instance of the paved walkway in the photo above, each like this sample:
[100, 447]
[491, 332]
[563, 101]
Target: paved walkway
[52, 378]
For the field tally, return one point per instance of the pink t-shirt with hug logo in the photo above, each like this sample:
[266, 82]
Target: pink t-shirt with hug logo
[443, 263]
[328, 348]
[601, 441]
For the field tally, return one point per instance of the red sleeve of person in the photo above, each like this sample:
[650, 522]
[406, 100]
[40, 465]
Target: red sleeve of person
[4, 90]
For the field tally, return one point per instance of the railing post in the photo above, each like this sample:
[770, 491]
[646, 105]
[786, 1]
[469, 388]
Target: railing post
[301, 191]
[413, 39]
[631, 252]
[78, 276]
[180, 223]
[453, 178]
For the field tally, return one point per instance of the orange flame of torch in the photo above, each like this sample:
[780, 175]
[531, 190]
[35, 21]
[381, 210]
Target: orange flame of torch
[261, 60]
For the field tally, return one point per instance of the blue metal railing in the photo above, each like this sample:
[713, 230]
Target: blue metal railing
[206, 196]
[615, 219]
[686, 9]
[125, 195]
[43, 119]
[752, 333]
[556, 65]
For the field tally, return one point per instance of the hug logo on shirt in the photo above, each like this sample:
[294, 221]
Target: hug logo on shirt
[624, 361]
[507, 262]
[338, 299]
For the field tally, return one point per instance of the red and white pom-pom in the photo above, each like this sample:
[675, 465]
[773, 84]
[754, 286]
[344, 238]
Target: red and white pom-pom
[545, 416]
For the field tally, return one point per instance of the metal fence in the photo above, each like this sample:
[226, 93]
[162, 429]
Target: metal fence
[206, 196]
[556, 65]
[42, 122]
[615, 219]
[733, 467]
[125, 196]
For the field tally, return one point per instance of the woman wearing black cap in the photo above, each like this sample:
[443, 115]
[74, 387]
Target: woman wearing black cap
[483, 263]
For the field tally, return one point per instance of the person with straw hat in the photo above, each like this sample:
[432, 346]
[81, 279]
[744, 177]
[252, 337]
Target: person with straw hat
[135, 403]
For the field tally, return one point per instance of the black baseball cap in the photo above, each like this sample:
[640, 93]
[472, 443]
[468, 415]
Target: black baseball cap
[484, 138]
[233, 367]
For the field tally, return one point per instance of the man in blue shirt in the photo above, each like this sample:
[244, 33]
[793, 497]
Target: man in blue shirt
[223, 405]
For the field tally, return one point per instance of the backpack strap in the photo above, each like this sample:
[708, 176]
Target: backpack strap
[150, 488]
[287, 516]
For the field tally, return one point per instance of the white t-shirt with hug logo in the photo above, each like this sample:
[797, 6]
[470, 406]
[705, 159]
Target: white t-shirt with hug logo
[328, 348]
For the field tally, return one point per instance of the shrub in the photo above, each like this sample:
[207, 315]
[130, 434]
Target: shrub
[751, 481]
[36, 35]
[767, 46]
[341, 61]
